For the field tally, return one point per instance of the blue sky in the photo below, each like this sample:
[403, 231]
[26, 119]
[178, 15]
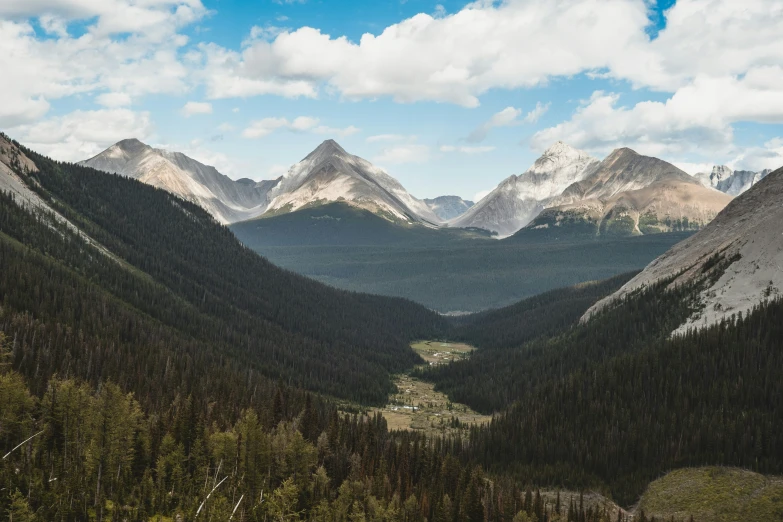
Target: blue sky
[450, 97]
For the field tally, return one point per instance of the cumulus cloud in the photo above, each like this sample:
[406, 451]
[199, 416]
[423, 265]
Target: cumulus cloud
[717, 61]
[451, 58]
[192, 108]
[770, 156]
[696, 117]
[128, 47]
[266, 126]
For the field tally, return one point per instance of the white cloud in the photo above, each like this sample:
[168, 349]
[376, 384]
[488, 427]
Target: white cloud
[534, 115]
[192, 108]
[266, 126]
[697, 117]
[466, 150]
[397, 154]
[128, 47]
[693, 168]
[82, 134]
[334, 131]
[504, 118]
[508, 117]
[225, 127]
[453, 58]
[114, 99]
[718, 59]
[770, 156]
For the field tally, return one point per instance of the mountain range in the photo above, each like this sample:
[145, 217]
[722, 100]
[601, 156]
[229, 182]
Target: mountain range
[628, 193]
[125, 306]
[565, 191]
[518, 199]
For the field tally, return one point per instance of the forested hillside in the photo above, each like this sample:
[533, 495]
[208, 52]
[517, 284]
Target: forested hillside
[616, 402]
[545, 314]
[180, 300]
[156, 369]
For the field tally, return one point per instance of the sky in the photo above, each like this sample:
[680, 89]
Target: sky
[449, 97]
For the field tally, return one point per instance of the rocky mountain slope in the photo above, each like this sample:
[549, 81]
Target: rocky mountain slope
[329, 174]
[732, 182]
[738, 257]
[628, 193]
[519, 199]
[448, 207]
[227, 200]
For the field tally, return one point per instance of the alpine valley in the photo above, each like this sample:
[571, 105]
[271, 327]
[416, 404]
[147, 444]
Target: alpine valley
[146, 350]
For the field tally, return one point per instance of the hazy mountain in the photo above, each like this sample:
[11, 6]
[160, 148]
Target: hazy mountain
[628, 193]
[330, 174]
[227, 200]
[732, 182]
[519, 199]
[448, 207]
[737, 257]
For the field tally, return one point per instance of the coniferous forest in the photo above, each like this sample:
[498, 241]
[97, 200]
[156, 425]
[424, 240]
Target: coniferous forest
[153, 368]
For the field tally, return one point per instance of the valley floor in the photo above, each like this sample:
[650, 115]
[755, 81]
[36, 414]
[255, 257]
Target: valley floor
[417, 406]
[470, 276]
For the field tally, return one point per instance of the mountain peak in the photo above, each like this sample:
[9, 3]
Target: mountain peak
[559, 148]
[131, 145]
[622, 152]
[331, 147]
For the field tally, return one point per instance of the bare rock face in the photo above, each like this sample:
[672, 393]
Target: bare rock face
[746, 238]
[628, 193]
[227, 200]
[448, 207]
[330, 174]
[519, 199]
[732, 182]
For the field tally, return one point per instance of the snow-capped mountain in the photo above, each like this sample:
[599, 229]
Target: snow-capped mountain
[628, 193]
[227, 200]
[448, 207]
[738, 257]
[732, 182]
[330, 174]
[519, 199]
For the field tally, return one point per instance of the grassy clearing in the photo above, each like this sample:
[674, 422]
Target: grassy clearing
[437, 352]
[715, 494]
[417, 406]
